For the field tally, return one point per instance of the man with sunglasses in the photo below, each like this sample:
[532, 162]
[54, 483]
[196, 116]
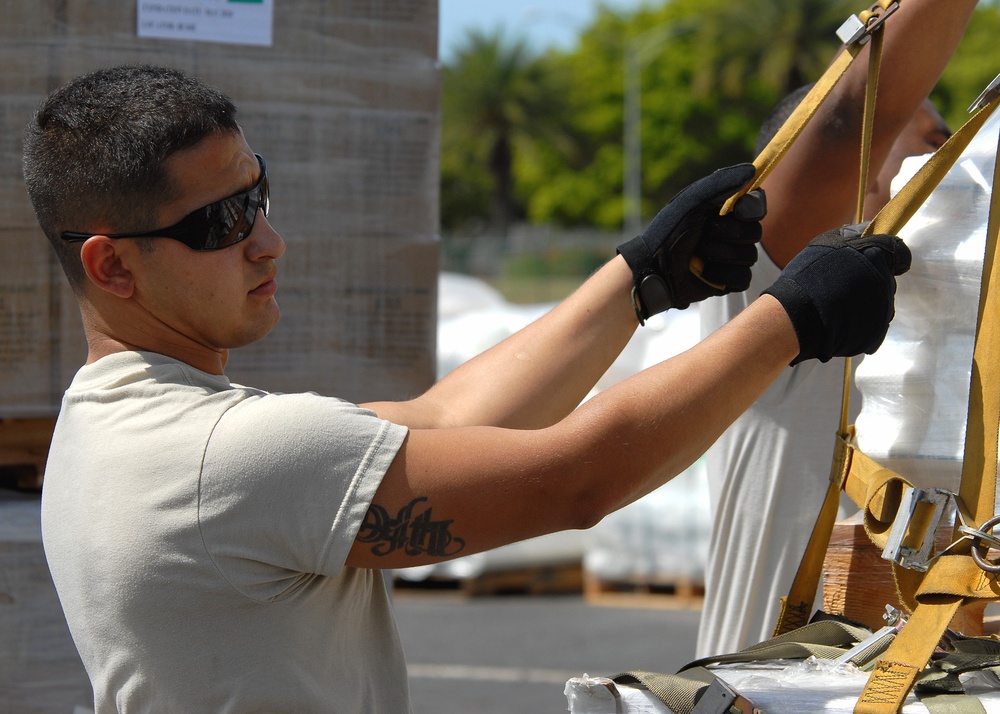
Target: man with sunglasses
[216, 547]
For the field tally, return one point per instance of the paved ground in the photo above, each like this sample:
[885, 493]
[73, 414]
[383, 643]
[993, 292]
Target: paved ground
[513, 654]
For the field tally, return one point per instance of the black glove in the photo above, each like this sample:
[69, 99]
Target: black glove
[839, 292]
[689, 252]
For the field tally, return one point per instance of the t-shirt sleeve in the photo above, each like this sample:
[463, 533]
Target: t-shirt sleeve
[286, 483]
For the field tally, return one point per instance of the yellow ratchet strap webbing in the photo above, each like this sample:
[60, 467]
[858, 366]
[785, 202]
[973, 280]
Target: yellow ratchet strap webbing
[870, 23]
[796, 607]
[954, 577]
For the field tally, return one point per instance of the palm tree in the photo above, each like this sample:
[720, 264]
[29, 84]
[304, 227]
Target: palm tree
[784, 43]
[495, 95]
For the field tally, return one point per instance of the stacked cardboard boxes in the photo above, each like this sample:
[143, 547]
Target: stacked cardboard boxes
[344, 105]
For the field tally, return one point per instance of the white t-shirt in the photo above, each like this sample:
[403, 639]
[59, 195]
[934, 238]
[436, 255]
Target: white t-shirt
[196, 531]
[768, 475]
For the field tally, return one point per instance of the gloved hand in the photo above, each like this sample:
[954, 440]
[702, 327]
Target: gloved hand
[839, 292]
[689, 252]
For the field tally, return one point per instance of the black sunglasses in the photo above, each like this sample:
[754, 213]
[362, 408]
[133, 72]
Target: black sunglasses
[212, 227]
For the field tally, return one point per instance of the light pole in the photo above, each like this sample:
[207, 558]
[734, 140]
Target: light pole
[639, 51]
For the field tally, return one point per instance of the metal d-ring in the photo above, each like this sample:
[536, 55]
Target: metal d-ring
[979, 547]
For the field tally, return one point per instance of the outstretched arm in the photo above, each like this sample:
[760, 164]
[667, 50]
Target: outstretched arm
[814, 187]
[455, 491]
[538, 375]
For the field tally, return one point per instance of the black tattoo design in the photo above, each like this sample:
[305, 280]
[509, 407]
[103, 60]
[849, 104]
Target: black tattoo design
[415, 534]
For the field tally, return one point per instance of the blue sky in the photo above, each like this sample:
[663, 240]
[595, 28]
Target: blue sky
[544, 23]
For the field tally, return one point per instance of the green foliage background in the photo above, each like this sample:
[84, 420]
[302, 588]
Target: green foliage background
[539, 138]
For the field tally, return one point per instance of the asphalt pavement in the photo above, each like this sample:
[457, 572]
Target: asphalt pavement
[513, 654]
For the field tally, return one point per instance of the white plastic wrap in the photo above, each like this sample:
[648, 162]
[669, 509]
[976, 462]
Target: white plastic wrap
[915, 389]
[775, 687]
[661, 536]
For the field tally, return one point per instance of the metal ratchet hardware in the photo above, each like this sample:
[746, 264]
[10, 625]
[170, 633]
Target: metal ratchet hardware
[876, 643]
[720, 698]
[858, 28]
[982, 540]
[987, 96]
[899, 548]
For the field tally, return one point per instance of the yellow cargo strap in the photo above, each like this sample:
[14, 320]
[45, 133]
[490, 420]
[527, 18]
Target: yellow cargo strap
[954, 577]
[795, 608]
[871, 23]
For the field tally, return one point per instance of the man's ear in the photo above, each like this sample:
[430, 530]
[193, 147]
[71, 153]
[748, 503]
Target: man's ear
[102, 261]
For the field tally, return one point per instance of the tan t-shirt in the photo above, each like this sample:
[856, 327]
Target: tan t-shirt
[196, 531]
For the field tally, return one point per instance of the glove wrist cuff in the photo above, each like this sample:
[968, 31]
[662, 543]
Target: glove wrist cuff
[805, 319]
[650, 295]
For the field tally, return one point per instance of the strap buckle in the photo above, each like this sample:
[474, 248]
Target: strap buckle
[982, 540]
[900, 547]
[859, 28]
[720, 698]
[987, 95]
[875, 644]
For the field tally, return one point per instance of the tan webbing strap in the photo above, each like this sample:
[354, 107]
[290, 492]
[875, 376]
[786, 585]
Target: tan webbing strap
[868, 125]
[851, 469]
[680, 692]
[769, 157]
[979, 468]
[904, 204]
[953, 578]
[824, 639]
[796, 607]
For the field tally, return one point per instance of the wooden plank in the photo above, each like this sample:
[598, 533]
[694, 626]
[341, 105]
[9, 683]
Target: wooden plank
[555, 579]
[858, 583]
[24, 448]
[661, 591]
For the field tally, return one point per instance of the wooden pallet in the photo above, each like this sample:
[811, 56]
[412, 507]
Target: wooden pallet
[858, 583]
[24, 447]
[561, 579]
[661, 591]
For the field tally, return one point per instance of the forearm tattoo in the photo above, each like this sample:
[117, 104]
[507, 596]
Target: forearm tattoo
[414, 533]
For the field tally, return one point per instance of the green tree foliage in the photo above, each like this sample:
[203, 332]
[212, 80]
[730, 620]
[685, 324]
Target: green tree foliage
[497, 99]
[975, 63]
[711, 70]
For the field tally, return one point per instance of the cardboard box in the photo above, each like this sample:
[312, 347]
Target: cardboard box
[345, 107]
[40, 670]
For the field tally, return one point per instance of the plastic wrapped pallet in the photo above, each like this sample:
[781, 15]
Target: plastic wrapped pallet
[663, 536]
[775, 688]
[344, 105]
[915, 388]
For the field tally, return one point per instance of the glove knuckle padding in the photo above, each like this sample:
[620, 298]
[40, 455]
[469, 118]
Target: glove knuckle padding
[849, 287]
[734, 277]
[714, 188]
[690, 226]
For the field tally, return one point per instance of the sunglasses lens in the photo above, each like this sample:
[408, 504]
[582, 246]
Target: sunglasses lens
[230, 220]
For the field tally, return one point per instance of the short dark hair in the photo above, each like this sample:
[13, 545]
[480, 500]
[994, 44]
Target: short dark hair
[778, 116]
[94, 149]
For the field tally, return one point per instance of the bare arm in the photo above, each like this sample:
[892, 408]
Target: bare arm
[538, 375]
[463, 490]
[814, 187]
